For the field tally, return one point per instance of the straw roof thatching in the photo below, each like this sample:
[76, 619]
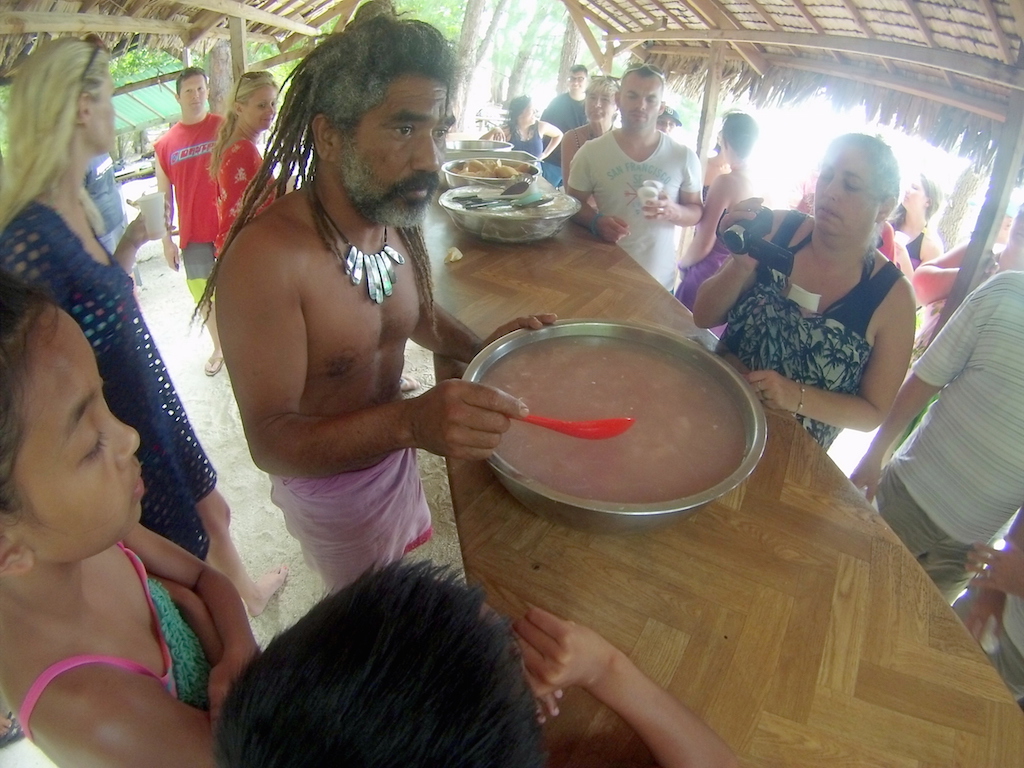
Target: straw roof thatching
[941, 69]
[164, 25]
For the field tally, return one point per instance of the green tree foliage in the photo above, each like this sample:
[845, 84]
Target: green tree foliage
[446, 15]
[140, 63]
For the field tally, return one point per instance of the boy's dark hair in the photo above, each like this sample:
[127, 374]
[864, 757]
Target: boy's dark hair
[405, 667]
[185, 74]
[21, 306]
[580, 68]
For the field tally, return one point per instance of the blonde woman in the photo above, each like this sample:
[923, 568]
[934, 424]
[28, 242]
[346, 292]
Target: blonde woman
[235, 158]
[60, 115]
[600, 108]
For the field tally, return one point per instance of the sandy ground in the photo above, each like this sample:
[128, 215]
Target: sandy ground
[256, 524]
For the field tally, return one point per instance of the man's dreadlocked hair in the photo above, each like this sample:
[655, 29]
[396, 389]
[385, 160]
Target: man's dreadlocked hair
[343, 78]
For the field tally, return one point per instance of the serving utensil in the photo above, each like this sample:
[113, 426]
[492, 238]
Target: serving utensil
[598, 429]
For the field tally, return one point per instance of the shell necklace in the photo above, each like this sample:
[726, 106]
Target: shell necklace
[378, 268]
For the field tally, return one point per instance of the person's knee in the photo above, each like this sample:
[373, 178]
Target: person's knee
[214, 511]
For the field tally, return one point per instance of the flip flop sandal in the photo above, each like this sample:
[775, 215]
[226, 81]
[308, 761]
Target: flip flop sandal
[408, 384]
[213, 366]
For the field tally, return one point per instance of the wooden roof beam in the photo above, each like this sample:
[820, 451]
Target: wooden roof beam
[997, 31]
[862, 24]
[1017, 9]
[601, 57]
[961, 63]
[926, 32]
[281, 58]
[814, 24]
[344, 9]
[20, 23]
[255, 15]
[718, 19]
[202, 24]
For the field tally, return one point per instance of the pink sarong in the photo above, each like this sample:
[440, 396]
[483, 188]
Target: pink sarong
[353, 521]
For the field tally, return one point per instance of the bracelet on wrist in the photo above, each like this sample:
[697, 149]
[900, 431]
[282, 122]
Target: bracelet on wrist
[593, 224]
[800, 406]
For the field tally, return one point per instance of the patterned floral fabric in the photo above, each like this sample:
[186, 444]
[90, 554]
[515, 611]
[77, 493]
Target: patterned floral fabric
[768, 331]
[38, 247]
[238, 167]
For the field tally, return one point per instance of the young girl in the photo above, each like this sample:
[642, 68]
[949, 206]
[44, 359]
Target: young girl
[60, 115]
[98, 664]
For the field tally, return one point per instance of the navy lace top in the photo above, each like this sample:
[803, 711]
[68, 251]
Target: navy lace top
[38, 247]
[768, 331]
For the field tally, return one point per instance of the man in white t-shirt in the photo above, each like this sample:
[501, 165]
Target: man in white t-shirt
[613, 167]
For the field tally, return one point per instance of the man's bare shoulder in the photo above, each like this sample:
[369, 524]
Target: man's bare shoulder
[283, 229]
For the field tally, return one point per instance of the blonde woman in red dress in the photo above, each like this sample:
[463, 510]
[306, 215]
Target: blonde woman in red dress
[235, 158]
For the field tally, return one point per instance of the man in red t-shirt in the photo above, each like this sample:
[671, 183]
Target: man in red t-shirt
[183, 175]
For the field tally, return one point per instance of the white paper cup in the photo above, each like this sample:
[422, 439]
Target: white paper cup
[655, 185]
[152, 208]
[647, 194]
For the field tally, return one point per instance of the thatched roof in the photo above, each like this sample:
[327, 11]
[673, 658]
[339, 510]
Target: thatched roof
[164, 25]
[941, 69]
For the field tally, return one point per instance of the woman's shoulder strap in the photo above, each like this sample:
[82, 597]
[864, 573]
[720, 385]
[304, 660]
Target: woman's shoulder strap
[790, 224]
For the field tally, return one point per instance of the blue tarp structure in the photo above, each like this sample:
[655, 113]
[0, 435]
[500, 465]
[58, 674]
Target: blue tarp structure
[145, 107]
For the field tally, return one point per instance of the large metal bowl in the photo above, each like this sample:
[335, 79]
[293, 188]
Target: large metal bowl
[455, 176]
[510, 224]
[476, 145]
[605, 517]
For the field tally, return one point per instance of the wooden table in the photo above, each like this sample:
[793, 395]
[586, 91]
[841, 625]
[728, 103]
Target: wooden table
[787, 614]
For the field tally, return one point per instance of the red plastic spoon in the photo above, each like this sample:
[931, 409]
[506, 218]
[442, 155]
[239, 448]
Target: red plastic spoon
[599, 429]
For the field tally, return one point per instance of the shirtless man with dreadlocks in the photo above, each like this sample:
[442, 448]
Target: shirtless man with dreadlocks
[318, 295]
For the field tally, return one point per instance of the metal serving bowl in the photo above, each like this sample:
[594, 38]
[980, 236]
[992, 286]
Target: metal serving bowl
[509, 223]
[477, 145]
[454, 175]
[608, 517]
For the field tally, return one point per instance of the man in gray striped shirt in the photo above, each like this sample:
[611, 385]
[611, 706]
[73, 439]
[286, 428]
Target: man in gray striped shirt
[959, 477]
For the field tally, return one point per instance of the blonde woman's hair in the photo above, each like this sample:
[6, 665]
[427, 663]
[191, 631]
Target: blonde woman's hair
[41, 119]
[247, 85]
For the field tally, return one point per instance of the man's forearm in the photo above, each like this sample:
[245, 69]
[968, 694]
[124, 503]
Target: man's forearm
[293, 445]
[913, 396]
[448, 336]
[686, 214]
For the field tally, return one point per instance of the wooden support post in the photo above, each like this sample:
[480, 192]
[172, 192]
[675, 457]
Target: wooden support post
[186, 57]
[1005, 167]
[239, 60]
[709, 105]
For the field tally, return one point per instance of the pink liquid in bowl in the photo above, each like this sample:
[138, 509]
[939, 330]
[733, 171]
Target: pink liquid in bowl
[689, 433]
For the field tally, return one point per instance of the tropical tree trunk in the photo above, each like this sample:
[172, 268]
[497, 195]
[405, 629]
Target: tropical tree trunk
[220, 76]
[471, 51]
[518, 73]
[571, 44]
[951, 223]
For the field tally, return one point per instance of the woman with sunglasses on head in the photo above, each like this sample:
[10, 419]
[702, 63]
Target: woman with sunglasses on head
[235, 158]
[60, 115]
[600, 109]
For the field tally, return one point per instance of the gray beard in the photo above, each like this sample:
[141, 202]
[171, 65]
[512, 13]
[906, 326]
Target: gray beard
[377, 202]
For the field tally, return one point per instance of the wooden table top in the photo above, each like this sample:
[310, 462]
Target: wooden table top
[786, 614]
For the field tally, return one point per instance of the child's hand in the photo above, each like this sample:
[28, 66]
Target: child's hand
[559, 653]
[223, 676]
